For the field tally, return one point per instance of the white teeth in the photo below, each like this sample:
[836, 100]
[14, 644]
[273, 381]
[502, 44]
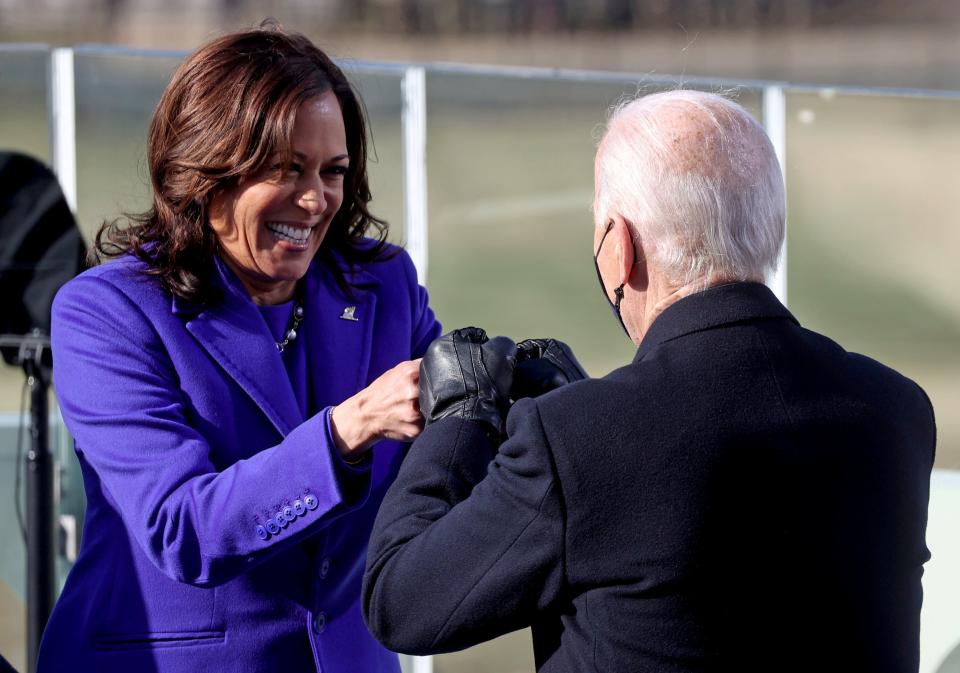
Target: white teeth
[290, 233]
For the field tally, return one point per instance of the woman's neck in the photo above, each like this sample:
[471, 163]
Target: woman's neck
[277, 293]
[263, 293]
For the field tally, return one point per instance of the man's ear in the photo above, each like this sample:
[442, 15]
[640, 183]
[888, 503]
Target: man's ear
[627, 257]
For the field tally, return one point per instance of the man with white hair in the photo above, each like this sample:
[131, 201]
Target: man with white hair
[744, 496]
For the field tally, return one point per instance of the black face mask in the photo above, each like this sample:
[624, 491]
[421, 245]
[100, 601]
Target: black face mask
[618, 292]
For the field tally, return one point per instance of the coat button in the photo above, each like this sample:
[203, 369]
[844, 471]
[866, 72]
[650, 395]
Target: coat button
[299, 508]
[281, 520]
[311, 501]
[325, 567]
[319, 622]
[288, 513]
[272, 527]
[262, 533]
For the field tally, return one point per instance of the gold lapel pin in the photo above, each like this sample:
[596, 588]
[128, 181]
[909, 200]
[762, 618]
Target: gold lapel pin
[348, 314]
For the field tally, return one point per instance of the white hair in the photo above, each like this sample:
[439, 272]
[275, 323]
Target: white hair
[698, 180]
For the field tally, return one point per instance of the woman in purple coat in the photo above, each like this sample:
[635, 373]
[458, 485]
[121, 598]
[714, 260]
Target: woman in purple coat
[239, 381]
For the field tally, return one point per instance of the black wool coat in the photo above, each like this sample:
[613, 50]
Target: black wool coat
[746, 495]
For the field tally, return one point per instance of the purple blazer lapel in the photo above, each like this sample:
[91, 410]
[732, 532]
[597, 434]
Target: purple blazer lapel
[340, 333]
[235, 335]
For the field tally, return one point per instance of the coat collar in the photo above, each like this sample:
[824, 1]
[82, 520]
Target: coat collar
[235, 335]
[340, 334]
[716, 306]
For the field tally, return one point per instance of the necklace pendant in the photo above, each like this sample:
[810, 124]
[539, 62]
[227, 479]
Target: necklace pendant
[291, 334]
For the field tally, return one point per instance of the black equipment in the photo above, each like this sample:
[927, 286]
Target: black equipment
[41, 248]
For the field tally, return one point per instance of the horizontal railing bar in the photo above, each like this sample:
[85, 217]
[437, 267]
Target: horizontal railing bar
[97, 49]
[880, 91]
[600, 76]
[529, 72]
[24, 46]
[532, 72]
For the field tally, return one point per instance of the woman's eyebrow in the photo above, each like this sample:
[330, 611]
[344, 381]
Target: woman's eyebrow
[340, 157]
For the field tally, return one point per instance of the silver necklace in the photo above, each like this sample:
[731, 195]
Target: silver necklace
[291, 334]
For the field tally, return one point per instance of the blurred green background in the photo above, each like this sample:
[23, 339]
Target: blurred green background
[872, 228]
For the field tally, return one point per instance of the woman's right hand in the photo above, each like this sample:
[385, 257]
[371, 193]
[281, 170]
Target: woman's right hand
[389, 408]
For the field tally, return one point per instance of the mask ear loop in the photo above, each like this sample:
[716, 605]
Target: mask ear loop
[618, 292]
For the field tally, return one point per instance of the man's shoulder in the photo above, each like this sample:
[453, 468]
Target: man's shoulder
[857, 368]
[899, 385]
[874, 367]
[591, 398]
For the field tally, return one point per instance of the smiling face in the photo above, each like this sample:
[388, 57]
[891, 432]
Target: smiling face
[271, 224]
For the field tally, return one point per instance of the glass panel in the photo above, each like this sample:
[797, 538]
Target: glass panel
[23, 128]
[873, 232]
[512, 653]
[116, 95]
[13, 614]
[382, 97]
[873, 235]
[510, 163]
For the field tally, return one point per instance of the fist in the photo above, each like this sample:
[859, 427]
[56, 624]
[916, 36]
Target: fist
[542, 366]
[467, 375]
[385, 409]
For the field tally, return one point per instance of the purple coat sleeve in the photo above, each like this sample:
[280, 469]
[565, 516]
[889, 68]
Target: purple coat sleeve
[123, 401]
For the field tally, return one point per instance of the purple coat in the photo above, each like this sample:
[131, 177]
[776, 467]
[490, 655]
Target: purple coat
[222, 531]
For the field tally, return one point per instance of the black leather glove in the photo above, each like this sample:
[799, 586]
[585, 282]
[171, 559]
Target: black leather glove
[542, 365]
[465, 374]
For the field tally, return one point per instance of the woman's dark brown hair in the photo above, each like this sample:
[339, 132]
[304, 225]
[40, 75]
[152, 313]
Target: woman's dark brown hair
[229, 108]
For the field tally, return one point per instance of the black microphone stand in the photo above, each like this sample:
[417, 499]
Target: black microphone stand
[39, 491]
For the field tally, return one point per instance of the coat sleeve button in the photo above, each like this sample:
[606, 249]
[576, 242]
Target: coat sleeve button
[299, 508]
[262, 532]
[311, 501]
[272, 527]
[288, 513]
[281, 520]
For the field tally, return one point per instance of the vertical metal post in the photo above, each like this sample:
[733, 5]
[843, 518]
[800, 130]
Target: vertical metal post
[775, 123]
[40, 545]
[422, 664]
[411, 664]
[41, 549]
[63, 123]
[414, 124]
